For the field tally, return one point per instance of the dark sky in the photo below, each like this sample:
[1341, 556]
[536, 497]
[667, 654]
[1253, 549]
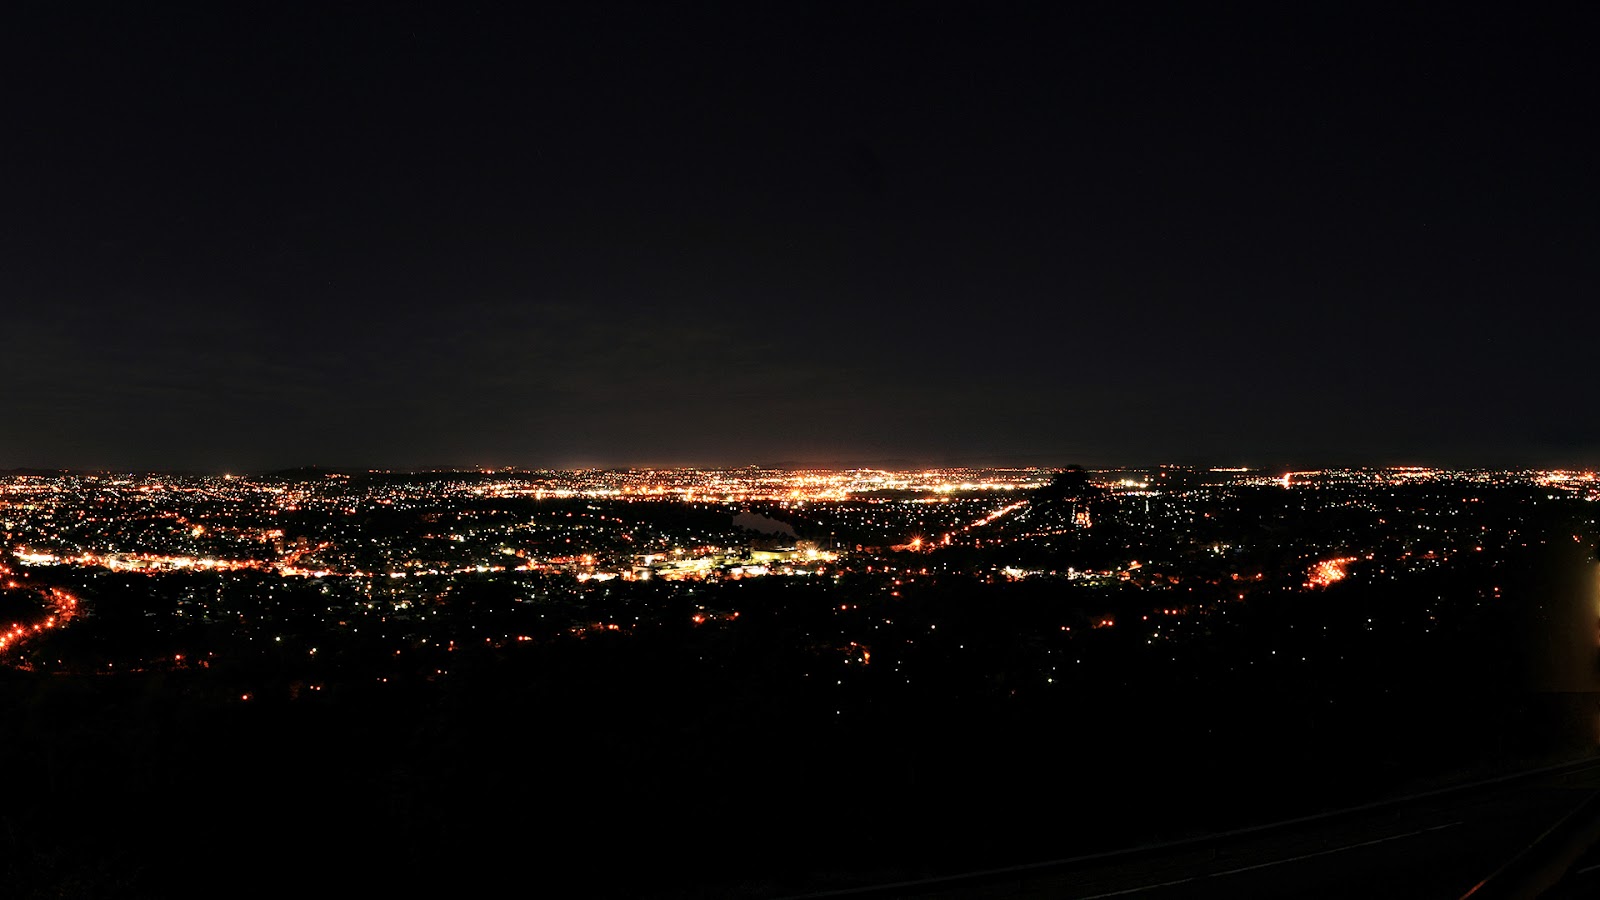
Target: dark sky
[239, 236]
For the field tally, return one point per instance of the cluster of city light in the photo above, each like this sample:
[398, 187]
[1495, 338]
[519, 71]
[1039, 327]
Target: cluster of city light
[146, 562]
[1583, 482]
[802, 560]
[31, 493]
[156, 523]
[1329, 571]
[756, 484]
[1562, 479]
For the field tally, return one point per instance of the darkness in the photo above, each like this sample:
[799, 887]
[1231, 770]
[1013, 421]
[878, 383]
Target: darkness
[244, 237]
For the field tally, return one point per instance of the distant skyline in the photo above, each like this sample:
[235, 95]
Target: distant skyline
[254, 238]
[888, 465]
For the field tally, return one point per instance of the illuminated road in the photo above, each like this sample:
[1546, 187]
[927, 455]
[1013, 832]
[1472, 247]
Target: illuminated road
[62, 607]
[989, 519]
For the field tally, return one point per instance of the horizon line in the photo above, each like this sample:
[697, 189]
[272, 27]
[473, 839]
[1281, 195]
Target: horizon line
[885, 465]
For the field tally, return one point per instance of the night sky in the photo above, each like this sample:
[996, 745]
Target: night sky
[244, 237]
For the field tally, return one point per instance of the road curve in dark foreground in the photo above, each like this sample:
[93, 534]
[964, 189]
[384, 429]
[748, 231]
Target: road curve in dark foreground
[1437, 845]
[60, 607]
